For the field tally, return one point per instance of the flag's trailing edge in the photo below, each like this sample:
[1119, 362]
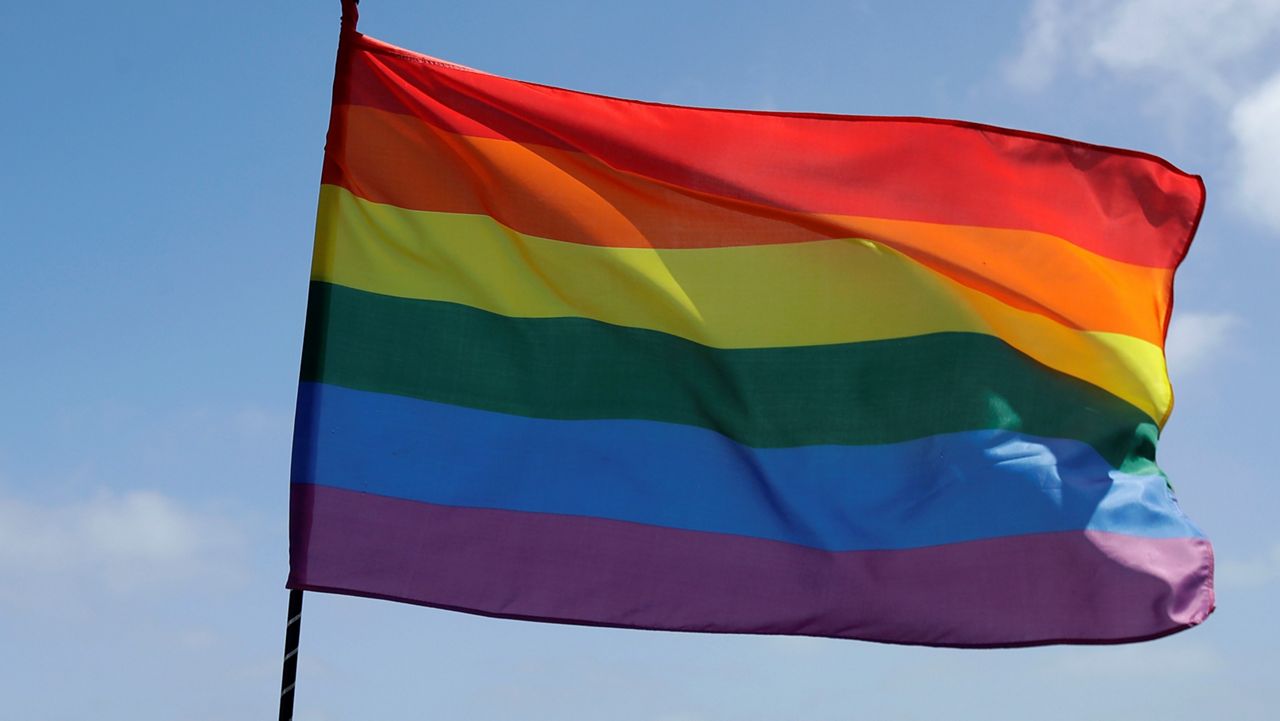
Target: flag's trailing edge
[581, 359]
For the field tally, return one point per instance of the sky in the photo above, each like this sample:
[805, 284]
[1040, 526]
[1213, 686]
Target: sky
[161, 167]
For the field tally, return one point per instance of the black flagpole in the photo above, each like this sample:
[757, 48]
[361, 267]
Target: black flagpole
[289, 677]
[293, 627]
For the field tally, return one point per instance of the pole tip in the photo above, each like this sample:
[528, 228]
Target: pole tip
[350, 14]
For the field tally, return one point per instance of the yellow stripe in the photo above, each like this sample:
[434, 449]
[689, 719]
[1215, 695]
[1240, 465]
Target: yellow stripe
[814, 293]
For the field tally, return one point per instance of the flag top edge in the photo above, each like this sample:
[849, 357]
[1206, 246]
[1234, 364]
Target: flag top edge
[374, 45]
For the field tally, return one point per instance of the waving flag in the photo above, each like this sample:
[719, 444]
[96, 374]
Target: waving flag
[581, 359]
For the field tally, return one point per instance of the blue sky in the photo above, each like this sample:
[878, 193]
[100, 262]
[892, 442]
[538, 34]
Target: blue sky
[161, 170]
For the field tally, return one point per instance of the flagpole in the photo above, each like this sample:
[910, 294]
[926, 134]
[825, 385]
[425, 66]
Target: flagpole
[289, 675]
[293, 627]
[350, 14]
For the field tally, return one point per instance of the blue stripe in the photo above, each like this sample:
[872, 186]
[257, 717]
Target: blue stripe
[930, 491]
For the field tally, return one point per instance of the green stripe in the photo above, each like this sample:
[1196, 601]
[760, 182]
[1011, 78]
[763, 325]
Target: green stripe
[574, 368]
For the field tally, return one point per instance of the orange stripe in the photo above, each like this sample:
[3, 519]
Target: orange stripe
[553, 193]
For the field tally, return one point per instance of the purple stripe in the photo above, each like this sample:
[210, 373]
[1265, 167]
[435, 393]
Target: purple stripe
[1074, 587]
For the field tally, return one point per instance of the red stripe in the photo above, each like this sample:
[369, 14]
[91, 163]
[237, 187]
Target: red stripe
[1120, 204]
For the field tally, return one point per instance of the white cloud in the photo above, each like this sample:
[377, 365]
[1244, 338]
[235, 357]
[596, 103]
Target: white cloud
[1194, 40]
[1195, 338]
[114, 542]
[1198, 43]
[1037, 62]
[1209, 59]
[1255, 123]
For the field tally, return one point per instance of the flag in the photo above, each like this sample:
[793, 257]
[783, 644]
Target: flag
[581, 359]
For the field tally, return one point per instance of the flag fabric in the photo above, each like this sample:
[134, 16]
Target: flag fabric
[581, 359]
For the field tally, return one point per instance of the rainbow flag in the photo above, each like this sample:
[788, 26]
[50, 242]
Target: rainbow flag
[581, 359]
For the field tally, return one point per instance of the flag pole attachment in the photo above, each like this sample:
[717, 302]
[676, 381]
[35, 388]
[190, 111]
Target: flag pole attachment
[289, 675]
[350, 14]
[293, 626]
